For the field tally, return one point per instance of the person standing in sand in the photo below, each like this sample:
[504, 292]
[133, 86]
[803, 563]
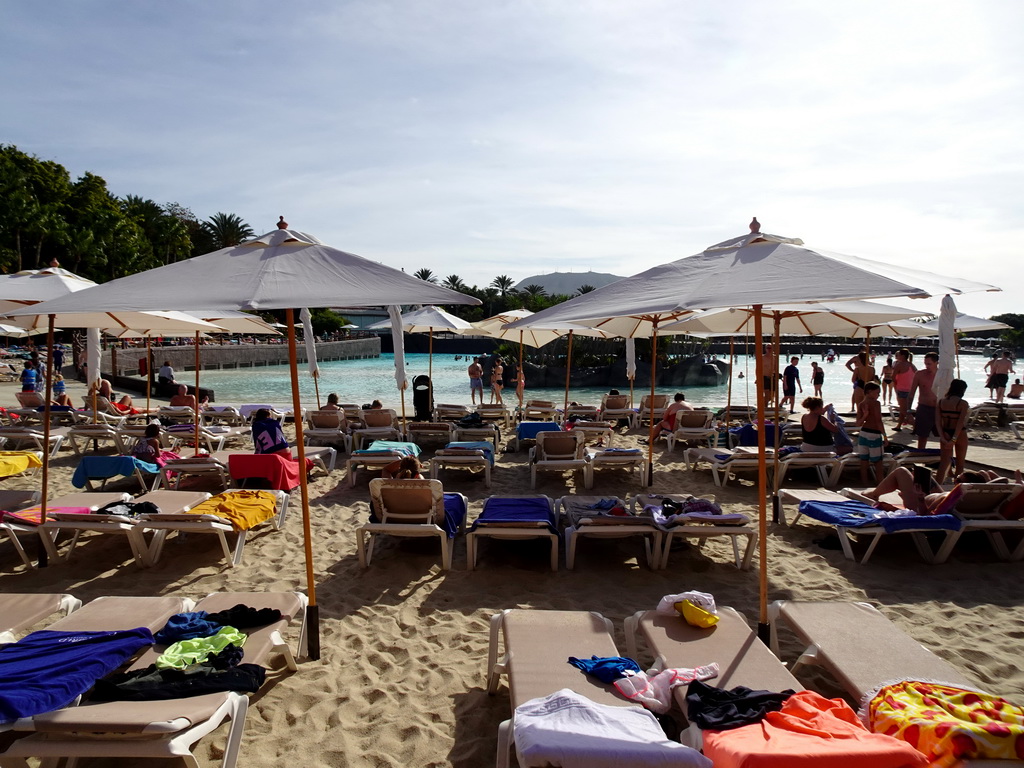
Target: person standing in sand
[817, 378]
[1000, 369]
[476, 381]
[871, 440]
[770, 374]
[952, 429]
[924, 416]
[790, 381]
[497, 381]
[903, 377]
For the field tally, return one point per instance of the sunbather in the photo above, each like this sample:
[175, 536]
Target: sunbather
[406, 468]
[919, 492]
[183, 398]
[817, 429]
[332, 403]
[668, 421]
[106, 389]
[267, 435]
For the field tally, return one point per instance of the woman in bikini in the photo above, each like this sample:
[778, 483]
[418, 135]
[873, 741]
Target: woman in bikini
[952, 429]
[863, 372]
[903, 377]
[818, 431]
[887, 388]
[497, 380]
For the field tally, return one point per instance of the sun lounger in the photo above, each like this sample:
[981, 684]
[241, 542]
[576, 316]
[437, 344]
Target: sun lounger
[450, 412]
[559, 452]
[495, 412]
[514, 517]
[378, 424]
[528, 430]
[540, 410]
[20, 612]
[413, 508]
[76, 512]
[330, 427]
[850, 461]
[825, 464]
[35, 436]
[474, 456]
[213, 465]
[588, 412]
[131, 434]
[852, 518]
[980, 507]
[701, 526]
[924, 456]
[882, 651]
[651, 410]
[105, 467]
[631, 460]
[377, 456]
[606, 517]
[536, 645]
[693, 426]
[94, 433]
[486, 432]
[615, 407]
[227, 415]
[230, 512]
[273, 470]
[11, 501]
[177, 414]
[29, 399]
[1017, 427]
[602, 431]
[428, 430]
[726, 462]
[168, 728]
[322, 456]
[213, 438]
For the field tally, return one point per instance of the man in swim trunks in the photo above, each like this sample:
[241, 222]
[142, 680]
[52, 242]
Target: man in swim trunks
[476, 381]
[924, 416]
[1000, 369]
[790, 381]
[903, 376]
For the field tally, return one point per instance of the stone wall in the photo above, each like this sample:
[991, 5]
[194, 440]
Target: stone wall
[215, 356]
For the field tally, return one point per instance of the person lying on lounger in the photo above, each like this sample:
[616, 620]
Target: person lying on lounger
[406, 468]
[919, 492]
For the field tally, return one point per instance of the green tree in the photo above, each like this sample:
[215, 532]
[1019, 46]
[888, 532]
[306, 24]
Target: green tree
[425, 275]
[503, 283]
[584, 289]
[453, 282]
[226, 229]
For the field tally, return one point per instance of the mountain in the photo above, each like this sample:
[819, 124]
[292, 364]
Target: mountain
[568, 282]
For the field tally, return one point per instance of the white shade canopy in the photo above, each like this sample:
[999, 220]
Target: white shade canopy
[282, 269]
[32, 286]
[428, 320]
[754, 269]
[233, 321]
[968, 324]
[835, 318]
[531, 334]
[112, 322]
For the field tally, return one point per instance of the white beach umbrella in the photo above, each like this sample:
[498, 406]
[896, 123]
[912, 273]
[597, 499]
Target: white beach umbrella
[968, 324]
[749, 271]
[310, 340]
[282, 269]
[428, 320]
[31, 286]
[398, 342]
[19, 333]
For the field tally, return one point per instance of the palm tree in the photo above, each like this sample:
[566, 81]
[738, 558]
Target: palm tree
[227, 229]
[454, 282]
[503, 283]
[584, 289]
[426, 275]
[534, 291]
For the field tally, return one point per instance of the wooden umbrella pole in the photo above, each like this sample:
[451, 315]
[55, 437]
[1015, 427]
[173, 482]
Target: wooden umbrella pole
[430, 357]
[777, 437]
[650, 431]
[313, 610]
[568, 370]
[763, 628]
[728, 395]
[197, 395]
[149, 372]
[44, 486]
[521, 376]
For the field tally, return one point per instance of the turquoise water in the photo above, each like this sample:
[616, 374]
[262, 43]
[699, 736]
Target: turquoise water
[360, 381]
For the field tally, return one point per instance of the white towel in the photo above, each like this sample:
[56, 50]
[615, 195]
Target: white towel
[568, 730]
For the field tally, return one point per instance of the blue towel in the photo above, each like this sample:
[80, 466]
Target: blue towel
[483, 445]
[527, 430]
[103, 467]
[747, 435]
[512, 510]
[46, 670]
[856, 514]
[406, 449]
[454, 513]
[607, 669]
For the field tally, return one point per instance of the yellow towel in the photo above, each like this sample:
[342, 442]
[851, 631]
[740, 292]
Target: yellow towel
[16, 462]
[244, 509]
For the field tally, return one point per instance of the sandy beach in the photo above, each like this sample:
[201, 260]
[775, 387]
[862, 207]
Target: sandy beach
[401, 681]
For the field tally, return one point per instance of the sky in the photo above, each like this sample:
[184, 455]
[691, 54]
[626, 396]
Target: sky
[520, 137]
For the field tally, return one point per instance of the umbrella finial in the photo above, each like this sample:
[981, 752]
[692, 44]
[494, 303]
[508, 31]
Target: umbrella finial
[54, 263]
[281, 223]
[755, 225]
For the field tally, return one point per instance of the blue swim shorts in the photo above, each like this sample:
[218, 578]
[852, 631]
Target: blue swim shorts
[869, 446]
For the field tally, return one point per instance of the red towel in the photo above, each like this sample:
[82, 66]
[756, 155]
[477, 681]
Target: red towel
[281, 472]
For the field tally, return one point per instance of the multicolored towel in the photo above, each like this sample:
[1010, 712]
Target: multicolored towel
[944, 722]
[34, 515]
[16, 462]
[243, 509]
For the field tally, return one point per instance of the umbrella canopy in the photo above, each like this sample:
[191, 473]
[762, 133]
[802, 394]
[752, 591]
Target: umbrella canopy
[280, 270]
[31, 286]
[112, 322]
[835, 318]
[968, 324]
[428, 320]
[907, 328]
[233, 321]
[15, 331]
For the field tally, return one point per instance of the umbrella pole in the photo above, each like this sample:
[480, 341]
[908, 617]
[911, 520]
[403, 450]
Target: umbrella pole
[520, 376]
[763, 628]
[430, 357]
[313, 610]
[650, 431]
[777, 437]
[956, 346]
[568, 369]
[728, 394]
[197, 395]
[149, 373]
[46, 433]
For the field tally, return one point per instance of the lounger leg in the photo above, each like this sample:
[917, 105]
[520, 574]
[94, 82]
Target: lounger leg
[844, 540]
[18, 548]
[570, 547]
[471, 551]
[554, 553]
[225, 548]
[749, 554]
[736, 551]
[239, 548]
[487, 475]
[630, 627]
[495, 668]
[446, 552]
[234, 743]
[504, 744]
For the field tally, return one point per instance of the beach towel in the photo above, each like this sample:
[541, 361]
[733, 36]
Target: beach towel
[34, 515]
[857, 514]
[243, 509]
[155, 684]
[808, 730]
[528, 430]
[512, 512]
[469, 446]
[280, 472]
[944, 722]
[16, 462]
[571, 731]
[47, 670]
[386, 447]
[723, 709]
[104, 467]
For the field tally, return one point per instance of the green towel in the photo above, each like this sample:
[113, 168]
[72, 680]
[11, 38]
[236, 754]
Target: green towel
[184, 653]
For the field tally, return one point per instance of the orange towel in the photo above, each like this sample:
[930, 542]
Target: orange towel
[809, 730]
[243, 509]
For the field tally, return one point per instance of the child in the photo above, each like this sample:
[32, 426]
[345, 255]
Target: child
[60, 390]
[872, 432]
[148, 448]
[28, 377]
[817, 378]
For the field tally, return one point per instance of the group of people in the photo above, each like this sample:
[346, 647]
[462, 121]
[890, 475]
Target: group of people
[476, 381]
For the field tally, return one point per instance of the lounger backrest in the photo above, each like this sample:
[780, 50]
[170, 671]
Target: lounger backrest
[983, 499]
[326, 419]
[379, 418]
[29, 399]
[693, 419]
[614, 402]
[430, 426]
[407, 501]
[540, 404]
[659, 401]
[554, 446]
